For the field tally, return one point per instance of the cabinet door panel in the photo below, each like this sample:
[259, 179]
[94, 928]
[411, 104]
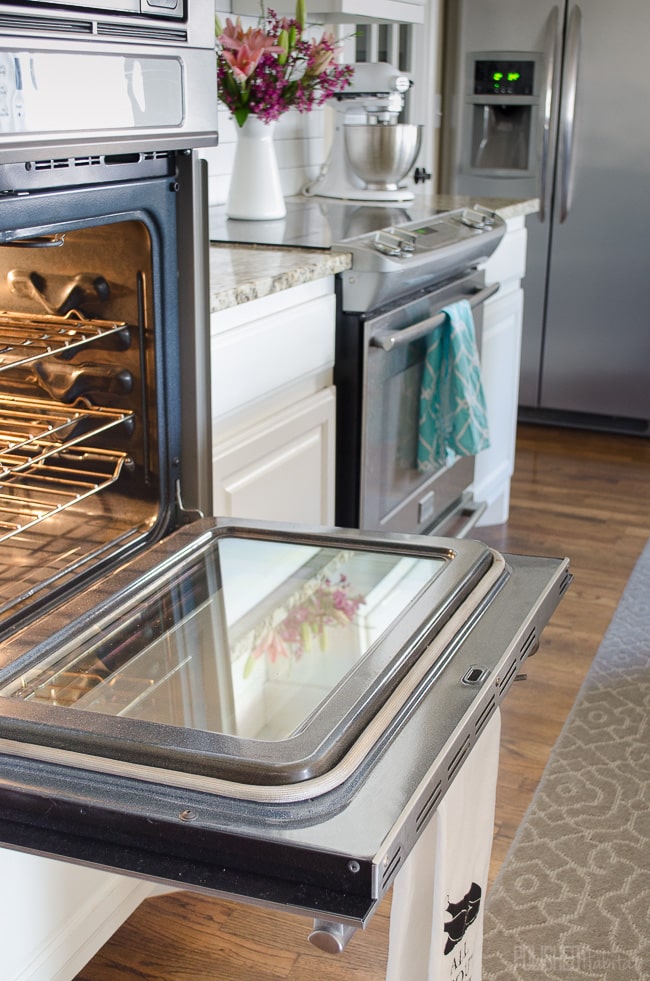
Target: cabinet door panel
[281, 469]
[500, 356]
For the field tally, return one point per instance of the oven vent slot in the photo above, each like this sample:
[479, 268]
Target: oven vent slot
[457, 760]
[429, 805]
[529, 645]
[565, 582]
[63, 163]
[59, 163]
[45, 25]
[508, 677]
[390, 868]
[87, 161]
[485, 715]
[141, 33]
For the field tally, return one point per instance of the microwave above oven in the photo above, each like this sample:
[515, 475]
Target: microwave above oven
[176, 9]
[105, 78]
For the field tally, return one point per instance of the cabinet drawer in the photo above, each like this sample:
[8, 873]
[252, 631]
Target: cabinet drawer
[253, 359]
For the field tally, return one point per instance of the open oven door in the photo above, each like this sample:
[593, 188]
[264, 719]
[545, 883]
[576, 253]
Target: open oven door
[266, 712]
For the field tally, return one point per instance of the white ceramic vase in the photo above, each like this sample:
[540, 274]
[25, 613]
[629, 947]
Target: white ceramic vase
[255, 191]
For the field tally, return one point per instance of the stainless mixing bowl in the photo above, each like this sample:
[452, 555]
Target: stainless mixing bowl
[381, 155]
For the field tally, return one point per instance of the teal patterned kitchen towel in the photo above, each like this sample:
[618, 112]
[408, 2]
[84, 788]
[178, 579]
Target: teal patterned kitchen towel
[453, 415]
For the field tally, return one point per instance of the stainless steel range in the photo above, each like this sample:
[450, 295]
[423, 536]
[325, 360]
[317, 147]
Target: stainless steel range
[215, 704]
[391, 302]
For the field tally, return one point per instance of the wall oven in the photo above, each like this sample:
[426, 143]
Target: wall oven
[214, 704]
[391, 300]
[101, 248]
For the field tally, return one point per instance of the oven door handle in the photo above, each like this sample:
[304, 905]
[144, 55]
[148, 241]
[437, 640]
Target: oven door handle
[387, 340]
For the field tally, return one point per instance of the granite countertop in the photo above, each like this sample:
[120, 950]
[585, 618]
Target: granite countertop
[243, 272]
[506, 207]
[240, 273]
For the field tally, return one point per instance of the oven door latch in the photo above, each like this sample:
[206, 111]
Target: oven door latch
[185, 515]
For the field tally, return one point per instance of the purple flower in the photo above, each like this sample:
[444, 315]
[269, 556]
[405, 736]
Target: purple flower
[271, 68]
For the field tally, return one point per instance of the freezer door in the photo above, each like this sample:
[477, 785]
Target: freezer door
[597, 342]
[504, 26]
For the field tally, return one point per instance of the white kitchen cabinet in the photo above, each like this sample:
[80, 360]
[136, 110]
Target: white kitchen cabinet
[273, 406]
[54, 916]
[345, 11]
[500, 358]
[281, 469]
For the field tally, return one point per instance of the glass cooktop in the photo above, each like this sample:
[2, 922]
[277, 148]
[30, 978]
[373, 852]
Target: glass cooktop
[316, 223]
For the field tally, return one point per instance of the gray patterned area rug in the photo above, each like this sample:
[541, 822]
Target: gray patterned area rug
[572, 901]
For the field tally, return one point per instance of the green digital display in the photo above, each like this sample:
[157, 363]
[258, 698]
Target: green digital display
[509, 76]
[503, 77]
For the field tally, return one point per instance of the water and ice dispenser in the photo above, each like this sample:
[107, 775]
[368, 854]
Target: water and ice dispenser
[502, 120]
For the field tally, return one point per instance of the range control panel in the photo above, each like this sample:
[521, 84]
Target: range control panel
[398, 259]
[405, 241]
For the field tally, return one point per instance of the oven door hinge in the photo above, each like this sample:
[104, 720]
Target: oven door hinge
[185, 516]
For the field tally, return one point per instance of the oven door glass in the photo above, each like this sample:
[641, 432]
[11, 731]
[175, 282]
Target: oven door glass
[275, 651]
[395, 495]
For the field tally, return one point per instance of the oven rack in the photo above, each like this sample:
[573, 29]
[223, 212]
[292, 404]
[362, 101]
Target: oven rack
[31, 429]
[54, 484]
[44, 469]
[29, 337]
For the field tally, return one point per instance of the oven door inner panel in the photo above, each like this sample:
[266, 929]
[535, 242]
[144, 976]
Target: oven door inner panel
[248, 658]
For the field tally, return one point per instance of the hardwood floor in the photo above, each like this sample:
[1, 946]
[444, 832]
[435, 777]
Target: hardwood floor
[574, 493]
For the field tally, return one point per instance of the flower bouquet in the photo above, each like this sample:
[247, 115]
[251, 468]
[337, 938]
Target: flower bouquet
[330, 604]
[263, 71]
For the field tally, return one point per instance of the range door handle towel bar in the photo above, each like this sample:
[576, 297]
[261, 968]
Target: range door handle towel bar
[389, 339]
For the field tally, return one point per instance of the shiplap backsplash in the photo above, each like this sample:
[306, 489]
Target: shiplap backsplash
[299, 143]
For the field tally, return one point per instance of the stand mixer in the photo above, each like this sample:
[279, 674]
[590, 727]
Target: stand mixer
[371, 152]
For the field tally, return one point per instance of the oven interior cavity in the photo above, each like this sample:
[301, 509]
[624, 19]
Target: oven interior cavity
[78, 444]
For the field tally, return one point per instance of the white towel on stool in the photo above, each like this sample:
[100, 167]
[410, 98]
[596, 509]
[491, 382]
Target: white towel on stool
[436, 922]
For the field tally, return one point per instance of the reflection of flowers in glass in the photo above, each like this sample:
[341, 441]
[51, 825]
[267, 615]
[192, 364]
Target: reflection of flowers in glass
[268, 69]
[329, 605]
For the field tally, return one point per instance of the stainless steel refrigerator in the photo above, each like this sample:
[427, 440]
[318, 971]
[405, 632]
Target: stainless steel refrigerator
[553, 101]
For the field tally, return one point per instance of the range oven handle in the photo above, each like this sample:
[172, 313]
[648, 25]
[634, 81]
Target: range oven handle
[387, 340]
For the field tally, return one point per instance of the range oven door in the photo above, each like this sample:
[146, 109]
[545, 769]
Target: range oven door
[394, 494]
[229, 709]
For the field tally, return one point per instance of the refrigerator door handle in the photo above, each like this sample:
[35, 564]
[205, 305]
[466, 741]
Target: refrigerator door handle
[549, 79]
[568, 110]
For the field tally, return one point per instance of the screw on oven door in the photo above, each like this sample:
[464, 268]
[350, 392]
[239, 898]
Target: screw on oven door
[188, 815]
[353, 866]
